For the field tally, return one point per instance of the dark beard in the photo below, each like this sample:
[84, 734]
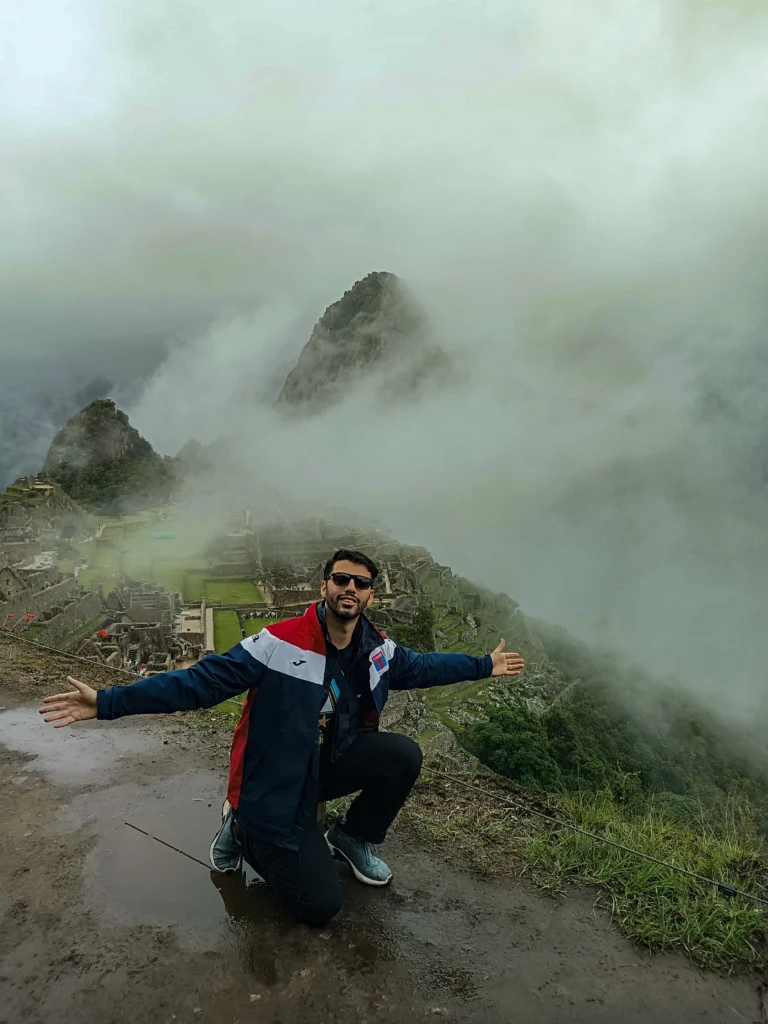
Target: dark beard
[342, 613]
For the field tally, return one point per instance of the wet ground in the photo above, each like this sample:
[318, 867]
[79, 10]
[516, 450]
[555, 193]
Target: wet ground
[101, 922]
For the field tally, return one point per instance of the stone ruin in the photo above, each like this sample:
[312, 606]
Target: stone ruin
[36, 518]
[139, 626]
[48, 600]
[295, 553]
[144, 602]
[149, 632]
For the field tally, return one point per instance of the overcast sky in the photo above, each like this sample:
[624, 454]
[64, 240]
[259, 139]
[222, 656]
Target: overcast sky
[577, 194]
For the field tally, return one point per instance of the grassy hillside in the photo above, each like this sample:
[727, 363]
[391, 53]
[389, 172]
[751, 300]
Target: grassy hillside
[619, 754]
[580, 720]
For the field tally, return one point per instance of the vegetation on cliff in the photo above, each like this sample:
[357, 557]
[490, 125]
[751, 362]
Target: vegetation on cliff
[619, 730]
[104, 463]
[610, 749]
[376, 324]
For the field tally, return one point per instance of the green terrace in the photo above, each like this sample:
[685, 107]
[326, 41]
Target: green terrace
[227, 626]
[200, 585]
[167, 552]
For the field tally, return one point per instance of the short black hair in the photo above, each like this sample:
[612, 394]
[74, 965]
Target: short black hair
[345, 555]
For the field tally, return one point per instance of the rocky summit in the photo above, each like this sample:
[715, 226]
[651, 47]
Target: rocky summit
[376, 325]
[103, 462]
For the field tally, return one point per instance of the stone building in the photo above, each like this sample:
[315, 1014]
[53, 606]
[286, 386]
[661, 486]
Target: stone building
[47, 600]
[11, 584]
[150, 632]
[36, 517]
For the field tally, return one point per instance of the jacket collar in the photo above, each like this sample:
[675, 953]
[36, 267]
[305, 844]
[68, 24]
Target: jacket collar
[366, 637]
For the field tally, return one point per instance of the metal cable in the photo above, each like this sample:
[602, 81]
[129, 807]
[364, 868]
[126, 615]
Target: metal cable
[66, 654]
[724, 888]
[169, 845]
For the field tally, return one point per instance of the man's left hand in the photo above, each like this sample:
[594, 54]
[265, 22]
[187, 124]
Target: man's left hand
[506, 664]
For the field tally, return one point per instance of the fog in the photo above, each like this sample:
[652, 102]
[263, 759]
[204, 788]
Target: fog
[576, 194]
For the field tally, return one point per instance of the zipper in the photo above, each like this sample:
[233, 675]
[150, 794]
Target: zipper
[356, 658]
[334, 738]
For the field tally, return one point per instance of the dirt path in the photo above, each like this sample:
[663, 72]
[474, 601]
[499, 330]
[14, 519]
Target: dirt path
[101, 925]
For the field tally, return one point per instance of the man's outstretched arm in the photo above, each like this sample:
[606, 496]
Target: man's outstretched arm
[410, 670]
[203, 685]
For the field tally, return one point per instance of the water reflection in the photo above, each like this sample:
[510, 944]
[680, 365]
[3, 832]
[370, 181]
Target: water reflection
[272, 946]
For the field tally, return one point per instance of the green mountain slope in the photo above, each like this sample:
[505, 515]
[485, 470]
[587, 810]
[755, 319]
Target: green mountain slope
[376, 325]
[103, 462]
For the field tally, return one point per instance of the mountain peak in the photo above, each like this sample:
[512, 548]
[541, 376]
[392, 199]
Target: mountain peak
[101, 460]
[376, 323]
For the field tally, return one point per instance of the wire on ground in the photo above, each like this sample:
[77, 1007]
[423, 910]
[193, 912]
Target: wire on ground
[66, 654]
[726, 890]
[169, 845]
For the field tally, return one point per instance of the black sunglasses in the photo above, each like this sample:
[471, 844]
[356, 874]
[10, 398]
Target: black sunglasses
[341, 579]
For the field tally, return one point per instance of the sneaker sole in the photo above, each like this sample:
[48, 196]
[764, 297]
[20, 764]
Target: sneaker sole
[358, 875]
[222, 871]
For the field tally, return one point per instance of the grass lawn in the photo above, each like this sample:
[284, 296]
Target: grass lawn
[169, 576]
[162, 552]
[106, 557]
[113, 532]
[226, 630]
[231, 590]
[148, 550]
[252, 626]
[166, 552]
[226, 633]
[169, 573]
[194, 585]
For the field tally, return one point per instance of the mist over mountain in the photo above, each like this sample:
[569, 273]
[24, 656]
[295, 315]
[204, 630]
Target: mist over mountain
[103, 462]
[578, 202]
[377, 325]
[28, 422]
[50, 369]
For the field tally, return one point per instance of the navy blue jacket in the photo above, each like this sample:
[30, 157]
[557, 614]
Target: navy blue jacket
[274, 759]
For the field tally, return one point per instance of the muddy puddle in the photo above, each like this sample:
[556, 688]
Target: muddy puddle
[134, 876]
[87, 752]
[148, 864]
[131, 878]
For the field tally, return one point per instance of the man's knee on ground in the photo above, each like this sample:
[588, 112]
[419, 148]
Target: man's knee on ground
[408, 755]
[319, 911]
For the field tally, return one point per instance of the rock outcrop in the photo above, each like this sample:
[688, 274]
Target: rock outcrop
[376, 325]
[103, 462]
[195, 457]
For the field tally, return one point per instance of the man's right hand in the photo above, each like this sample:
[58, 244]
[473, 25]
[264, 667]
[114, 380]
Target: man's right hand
[67, 708]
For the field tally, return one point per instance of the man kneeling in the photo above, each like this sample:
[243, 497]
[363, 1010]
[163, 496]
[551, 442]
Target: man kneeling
[308, 732]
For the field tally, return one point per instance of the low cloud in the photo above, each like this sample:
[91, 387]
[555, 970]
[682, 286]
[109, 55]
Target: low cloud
[576, 196]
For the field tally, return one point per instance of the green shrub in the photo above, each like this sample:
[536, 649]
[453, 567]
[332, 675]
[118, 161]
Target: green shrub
[513, 742]
[418, 635]
[626, 733]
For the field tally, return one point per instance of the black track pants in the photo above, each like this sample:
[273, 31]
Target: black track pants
[383, 766]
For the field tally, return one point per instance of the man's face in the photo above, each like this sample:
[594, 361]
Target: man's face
[347, 600]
